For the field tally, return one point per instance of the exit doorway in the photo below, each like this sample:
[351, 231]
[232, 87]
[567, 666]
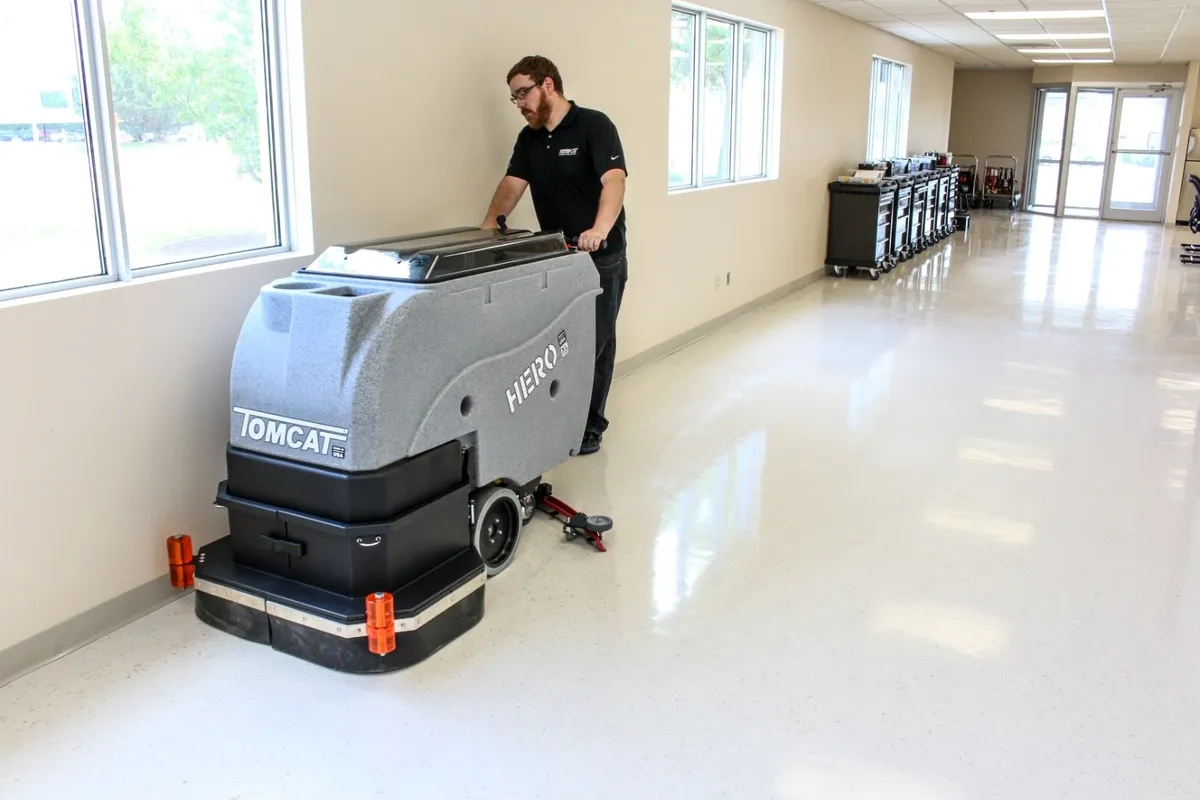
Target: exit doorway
[1103, 151]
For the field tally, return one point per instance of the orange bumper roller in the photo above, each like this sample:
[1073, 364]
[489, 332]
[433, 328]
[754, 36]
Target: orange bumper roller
[381, 623]
[179, 558]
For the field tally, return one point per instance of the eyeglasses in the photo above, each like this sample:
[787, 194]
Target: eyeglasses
[520, 94]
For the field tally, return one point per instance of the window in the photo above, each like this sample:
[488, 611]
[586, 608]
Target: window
[721, 102]
[153, 147]
[887, 133]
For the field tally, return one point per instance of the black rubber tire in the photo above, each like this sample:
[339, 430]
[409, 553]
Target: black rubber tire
[600, 524]
[497, 529]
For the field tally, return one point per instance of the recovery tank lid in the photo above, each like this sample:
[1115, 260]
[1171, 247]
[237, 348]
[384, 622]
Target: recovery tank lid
[437, 256]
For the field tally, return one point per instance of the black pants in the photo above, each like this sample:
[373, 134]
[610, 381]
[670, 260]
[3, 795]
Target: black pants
[614, 271]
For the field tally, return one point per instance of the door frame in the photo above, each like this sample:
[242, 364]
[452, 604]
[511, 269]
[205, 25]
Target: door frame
[1039, 105]
[1069, 143]
[1166, 155]
[1069, 126]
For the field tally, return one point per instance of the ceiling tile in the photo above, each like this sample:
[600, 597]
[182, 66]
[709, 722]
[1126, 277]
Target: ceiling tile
[1142, 31]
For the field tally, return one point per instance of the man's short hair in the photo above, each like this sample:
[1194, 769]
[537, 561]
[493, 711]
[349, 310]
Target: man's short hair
[539, 68]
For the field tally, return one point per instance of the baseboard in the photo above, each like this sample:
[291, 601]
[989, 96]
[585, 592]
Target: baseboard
[77, 632]
[677, 343]
[48, 646]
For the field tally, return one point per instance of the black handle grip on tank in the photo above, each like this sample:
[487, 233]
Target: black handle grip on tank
[502, 222]
[574, 242]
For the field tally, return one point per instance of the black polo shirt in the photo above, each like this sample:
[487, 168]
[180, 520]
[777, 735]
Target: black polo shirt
[563, 168]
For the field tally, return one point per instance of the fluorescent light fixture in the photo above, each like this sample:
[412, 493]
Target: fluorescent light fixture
[1047, 37]
[1075, 14]
[1061, 51]
[1072, 61]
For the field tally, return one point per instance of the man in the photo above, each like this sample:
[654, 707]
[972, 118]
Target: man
[571, 158]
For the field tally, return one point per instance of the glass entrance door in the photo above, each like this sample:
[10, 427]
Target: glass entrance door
[1088, 152]
[1140, 154]
[1051, 121]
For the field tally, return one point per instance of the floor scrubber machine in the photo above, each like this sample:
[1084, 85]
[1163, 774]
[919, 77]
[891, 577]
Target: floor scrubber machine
[395, 405]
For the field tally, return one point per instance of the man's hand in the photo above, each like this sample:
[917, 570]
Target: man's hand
[591, 239]
[507, 195]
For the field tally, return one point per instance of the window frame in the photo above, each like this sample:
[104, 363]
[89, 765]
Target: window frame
[101, 141]
[901, 131]
[702, 15]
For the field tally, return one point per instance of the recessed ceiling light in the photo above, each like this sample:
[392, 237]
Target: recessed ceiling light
[1060, 51]
[1047, 37]
[1072, 61]
[1074, 14]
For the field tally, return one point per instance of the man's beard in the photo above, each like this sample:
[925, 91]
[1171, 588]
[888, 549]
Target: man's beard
[539, 118]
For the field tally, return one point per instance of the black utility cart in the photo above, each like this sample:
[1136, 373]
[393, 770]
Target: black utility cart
[862, 218]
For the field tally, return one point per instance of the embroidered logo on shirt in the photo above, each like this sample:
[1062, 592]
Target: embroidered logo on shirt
[569, 151]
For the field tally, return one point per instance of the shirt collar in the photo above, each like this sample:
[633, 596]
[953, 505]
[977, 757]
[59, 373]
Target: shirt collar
[568, 121]
[571, 117]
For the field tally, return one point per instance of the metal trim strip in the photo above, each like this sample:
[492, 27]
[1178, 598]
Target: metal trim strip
[232, 595]
[342, 631]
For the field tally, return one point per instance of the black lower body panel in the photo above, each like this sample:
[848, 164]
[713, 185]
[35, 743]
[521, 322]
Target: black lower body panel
[327, 629]
[235, 618]
[352, 655]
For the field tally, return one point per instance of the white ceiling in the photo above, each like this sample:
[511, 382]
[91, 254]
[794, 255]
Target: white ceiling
[1142, 31]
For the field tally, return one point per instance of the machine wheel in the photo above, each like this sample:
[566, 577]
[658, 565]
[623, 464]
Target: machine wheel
[600, 524]
[498, 523]
[874, 273]
[839, 272]
[1012, 205]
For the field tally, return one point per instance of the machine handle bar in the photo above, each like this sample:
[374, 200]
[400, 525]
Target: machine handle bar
[574, 242]
[502, 222]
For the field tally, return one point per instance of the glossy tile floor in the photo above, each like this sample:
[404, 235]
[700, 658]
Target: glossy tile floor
[930, 537]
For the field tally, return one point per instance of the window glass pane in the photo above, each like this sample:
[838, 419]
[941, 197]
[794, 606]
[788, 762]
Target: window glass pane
[189, 92]
[889, 94]
[1050, 130]
[751, 155]
[895, 127]
[876, 145]
[47, 204]
[1089, 138]
[718, 99]
[680, 156]
[1143, 123]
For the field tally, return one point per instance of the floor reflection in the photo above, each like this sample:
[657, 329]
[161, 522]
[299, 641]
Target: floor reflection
[718, 509]
[997, 529]
[868, 394]
[1081, 273]
[964, 630]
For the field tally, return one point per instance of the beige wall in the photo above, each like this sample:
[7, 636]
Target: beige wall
[1110, 73]
[992, 114]
[116, 399]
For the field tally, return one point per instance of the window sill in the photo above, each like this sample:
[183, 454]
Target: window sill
[722, 185]
[105, 283]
